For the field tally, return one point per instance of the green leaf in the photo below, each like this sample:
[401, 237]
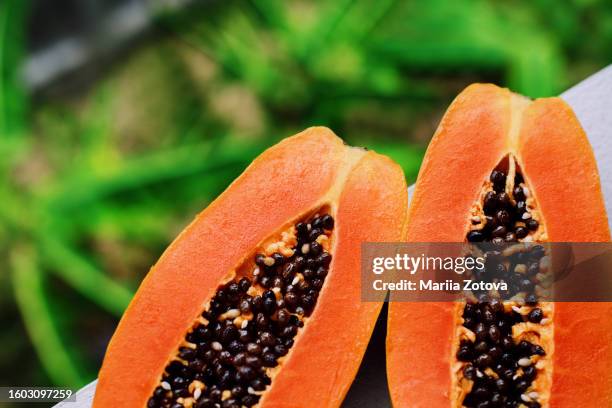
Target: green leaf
[28, 286]
[156, 167]
[83, 276]
[536, 71]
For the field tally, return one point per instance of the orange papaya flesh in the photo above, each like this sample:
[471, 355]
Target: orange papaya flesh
[502, 168]
[257, 301]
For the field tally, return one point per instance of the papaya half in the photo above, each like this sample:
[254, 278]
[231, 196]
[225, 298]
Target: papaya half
[504, 169]
[257, 301]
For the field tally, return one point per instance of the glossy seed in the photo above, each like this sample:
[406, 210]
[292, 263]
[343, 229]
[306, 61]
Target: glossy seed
[494, 334]
[529, 372]
[498, 241]
[464, 354]
[475, 236]
[532, 224]
[536, 315]
[531, 299]
[481, 347]
[483, 360]
[469, 372]
[490, 203]
[327, 221]
[510, 237]
[521, 232]
[499, 232]
[502, 217]
[498, 178]
[504, 200]
[518, 193]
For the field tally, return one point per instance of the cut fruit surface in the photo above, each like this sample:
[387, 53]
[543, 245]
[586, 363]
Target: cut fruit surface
[504, 169]
[257, 302]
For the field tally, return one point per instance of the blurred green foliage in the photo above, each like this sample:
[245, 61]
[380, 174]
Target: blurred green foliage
[94, 185]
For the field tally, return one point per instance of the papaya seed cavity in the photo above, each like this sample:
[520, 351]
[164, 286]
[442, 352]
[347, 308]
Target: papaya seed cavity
[232, 352]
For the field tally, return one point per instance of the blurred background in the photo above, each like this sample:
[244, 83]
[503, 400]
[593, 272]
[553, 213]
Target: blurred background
[121, 119]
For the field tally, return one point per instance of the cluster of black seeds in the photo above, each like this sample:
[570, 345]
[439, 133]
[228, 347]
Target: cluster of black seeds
[495, 348]
[519, 270]
[502, 369]
[506, 220]
[252, 323]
